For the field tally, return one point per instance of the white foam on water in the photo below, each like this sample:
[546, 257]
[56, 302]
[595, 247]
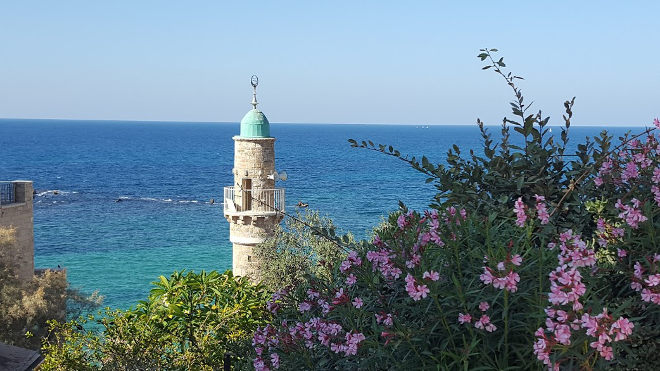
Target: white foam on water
[53, 192]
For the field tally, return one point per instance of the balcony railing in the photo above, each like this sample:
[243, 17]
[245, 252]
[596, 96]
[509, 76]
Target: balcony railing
[7, 193]
[255, 200]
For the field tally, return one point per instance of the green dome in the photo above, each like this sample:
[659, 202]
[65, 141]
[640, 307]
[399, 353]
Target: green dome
[255, 125]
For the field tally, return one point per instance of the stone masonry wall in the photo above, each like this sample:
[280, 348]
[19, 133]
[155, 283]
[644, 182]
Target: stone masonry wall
[254, 158]
[20, 216]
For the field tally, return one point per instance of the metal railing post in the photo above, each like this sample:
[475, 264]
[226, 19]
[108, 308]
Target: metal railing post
[7, 193]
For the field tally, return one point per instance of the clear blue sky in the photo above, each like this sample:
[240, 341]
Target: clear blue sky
[411, 62]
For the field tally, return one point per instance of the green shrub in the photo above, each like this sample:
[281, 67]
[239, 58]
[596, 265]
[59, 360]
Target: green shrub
[298, 249]
[25, 307]
[190, 321]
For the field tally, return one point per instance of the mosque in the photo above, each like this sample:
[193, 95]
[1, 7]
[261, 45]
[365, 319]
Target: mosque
[253, 206]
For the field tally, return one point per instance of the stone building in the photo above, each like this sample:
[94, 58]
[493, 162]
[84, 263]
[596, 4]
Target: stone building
[253, 206]
[16, 211]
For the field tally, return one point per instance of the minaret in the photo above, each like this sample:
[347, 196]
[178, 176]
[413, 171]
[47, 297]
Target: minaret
[252, 206]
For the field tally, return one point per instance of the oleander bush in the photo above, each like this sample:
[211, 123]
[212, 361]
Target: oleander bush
[528, 253]
[190, 321]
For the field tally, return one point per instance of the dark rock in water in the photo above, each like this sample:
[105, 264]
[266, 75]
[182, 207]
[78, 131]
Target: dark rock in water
[34, 191]
[118, 200]
[212, 201]
[301, 204]
[56, 192]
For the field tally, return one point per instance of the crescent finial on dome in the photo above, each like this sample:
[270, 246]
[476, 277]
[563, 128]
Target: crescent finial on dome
[254, 81]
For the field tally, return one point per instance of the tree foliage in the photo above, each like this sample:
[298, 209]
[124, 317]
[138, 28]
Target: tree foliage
[299, 248]
[25, 307]
[190, 321]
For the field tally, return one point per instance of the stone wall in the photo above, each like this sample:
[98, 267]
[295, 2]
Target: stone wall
[254, 159]
[19, 215]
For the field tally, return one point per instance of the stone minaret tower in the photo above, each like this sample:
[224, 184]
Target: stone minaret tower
[252, 206]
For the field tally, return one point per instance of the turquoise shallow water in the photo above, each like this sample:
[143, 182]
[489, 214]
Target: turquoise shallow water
[166, 173]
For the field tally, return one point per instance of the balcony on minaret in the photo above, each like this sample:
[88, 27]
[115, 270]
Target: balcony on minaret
[253, 202]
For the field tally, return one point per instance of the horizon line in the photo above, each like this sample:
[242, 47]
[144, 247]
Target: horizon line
[295, 123]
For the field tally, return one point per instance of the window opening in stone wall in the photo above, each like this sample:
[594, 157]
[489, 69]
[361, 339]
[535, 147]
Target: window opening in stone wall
[246, 185]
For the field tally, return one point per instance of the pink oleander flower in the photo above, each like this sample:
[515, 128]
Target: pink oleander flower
[500, 266]
[337, 348]
[607, 353]
[401, 221]
[623, 328]
[416, 292]
[275, 360]
[656, 175]
[562, 316]
[638, 270]
[424, 239]
[541, 349]
[272, 306]
[340, 297]
[464, 318]
[484, 323]
[631, 172]
[656, 122]
[621, 253]
[563, 334]
[483, 306]
[423, 290]
[351, 279]
[487, 277]
[542, 209]
[432, 275]
[381, 260]
[647, 295]
[259, 338]
[499, 283]
[519, 209]
[388, 336]
[345, 266]
[385, 319]
[259, 364]
[352, 341]
[358, 303]
[311, 294]
[354, 258]
[304, 307]
[511, 283]
[631, 214]
[653, 280]
[516, 260]
[414, 261]
[656, 194]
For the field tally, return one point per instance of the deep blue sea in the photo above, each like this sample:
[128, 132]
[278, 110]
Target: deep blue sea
[166, 173]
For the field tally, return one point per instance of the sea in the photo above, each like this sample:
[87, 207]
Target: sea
[167, 173]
